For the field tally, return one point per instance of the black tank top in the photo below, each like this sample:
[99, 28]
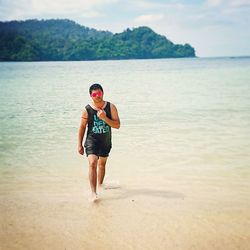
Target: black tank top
[98, 131]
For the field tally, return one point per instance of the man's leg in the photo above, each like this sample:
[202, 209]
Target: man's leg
[93, 171]
[101, 169]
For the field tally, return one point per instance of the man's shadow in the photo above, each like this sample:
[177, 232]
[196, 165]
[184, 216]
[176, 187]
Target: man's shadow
[130, 193]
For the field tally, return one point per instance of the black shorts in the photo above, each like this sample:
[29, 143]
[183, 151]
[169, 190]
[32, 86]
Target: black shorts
[97, 149]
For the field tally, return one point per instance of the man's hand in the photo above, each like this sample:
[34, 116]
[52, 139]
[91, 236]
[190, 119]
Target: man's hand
[80, 150]
[101, 114]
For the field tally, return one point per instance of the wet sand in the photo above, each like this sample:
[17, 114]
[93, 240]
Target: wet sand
[190, 212]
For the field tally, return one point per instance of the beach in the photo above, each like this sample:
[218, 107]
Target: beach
[174, 213]
[179, 165]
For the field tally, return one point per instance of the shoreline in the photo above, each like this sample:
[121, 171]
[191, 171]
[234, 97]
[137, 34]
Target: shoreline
[143, 59]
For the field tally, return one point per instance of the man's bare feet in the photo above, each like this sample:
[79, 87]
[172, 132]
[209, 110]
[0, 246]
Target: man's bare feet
[93, 197]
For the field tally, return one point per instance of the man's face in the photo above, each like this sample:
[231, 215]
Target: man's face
[97, 95]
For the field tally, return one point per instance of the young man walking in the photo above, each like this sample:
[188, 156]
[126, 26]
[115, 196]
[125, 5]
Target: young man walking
[99, 117]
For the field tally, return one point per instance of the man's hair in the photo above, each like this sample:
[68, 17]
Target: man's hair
[95, 86]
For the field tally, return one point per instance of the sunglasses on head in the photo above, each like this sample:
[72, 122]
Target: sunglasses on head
[97, 94]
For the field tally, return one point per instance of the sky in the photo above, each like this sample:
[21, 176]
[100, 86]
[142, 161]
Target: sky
[213, 27]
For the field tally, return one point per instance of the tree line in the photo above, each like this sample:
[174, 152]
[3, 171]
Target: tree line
[63, 40]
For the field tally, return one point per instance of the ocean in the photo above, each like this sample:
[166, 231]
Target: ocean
[175, 113]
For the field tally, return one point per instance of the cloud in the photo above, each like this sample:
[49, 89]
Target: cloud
[230, 3]
[24, 9]
[155, 5]
[150, 18]
[214, 2]
[91, 14]
[239, 3]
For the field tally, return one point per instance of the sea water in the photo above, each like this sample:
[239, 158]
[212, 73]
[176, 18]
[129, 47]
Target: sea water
[176, 114]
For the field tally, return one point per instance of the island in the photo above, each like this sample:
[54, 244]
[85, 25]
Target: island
[65, 40]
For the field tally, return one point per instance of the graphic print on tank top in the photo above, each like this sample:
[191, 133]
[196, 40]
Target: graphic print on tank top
[99, 126]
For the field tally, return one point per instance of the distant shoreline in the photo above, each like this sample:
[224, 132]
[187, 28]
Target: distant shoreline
[139, 59]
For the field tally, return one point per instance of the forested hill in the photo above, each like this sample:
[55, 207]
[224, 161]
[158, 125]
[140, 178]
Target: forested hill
[62, 39]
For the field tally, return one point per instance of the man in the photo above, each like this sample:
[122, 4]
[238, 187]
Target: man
[99, 117]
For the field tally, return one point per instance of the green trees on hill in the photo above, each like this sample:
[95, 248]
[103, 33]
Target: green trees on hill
[47, 40]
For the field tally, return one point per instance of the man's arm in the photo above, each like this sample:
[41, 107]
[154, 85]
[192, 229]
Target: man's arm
[115, 121]
[82, 128]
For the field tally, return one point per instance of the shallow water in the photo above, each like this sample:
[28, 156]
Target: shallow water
[191, 112]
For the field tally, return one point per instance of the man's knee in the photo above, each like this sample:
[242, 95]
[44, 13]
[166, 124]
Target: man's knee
[101, 166]
[102, 162]
[93, 164]
[93, 159]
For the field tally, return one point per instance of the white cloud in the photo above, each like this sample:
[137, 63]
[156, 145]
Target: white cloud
[150, 18]
[144, 4]
[65, 5]
[24, 9]
[231, 3]
[239, 3]
[214, 2]
[91, 14]
[152, 5]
